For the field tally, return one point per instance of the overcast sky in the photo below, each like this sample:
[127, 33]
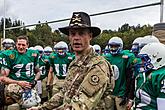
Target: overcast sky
[32, 11]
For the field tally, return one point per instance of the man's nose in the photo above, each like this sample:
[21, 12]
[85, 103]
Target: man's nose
[77, 36]
[21, 46]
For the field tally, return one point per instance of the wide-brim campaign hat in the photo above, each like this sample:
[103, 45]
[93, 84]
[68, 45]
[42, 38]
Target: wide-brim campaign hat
[80, 20]
[159, 26]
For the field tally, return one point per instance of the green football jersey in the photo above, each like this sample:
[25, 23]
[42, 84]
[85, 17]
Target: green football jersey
[120, 63]
[44, 66]
[21, 66]
[60, 64]
[149, 88]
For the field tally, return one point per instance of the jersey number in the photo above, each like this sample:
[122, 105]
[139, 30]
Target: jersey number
[59, 70]
[29, 68]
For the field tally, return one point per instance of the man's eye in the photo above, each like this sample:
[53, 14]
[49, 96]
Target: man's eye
[81, 33]
[72, 33]
[21, 44]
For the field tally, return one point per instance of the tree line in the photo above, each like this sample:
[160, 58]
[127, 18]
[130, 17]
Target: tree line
[43, 34]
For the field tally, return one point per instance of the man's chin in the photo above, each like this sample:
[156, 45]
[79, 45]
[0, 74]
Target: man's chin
[77, 49]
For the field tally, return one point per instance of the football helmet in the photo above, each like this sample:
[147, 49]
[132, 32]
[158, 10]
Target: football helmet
[106, 50]
[116, 45]
[48, 50]
[61, 48]
[31, 48]
[153, 56]
[136, 45]
[30, 98]
[39, 48]
[148, 39]
[97, 48]
[151, 39]
[8, 44]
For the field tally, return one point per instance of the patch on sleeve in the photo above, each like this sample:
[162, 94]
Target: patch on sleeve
[94, 80]
[135, 61]
[125, 56]
[34, 54]
[69, 58]
[11, 56]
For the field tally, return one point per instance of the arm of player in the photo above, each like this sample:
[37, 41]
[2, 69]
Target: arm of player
[50, 76]
[37, 71]
[7, 80]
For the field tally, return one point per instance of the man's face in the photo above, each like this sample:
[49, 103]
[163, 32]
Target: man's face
[80, 39]
[21, 45]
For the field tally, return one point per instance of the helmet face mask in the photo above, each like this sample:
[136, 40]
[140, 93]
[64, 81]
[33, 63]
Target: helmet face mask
[115, 48]
[61, 51]
[135, 48]
[106, 50]
[146, 64]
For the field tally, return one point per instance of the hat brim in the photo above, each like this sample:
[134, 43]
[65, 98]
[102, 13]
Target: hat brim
[95, 30]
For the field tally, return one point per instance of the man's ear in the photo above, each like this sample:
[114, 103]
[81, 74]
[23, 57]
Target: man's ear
[91, 36]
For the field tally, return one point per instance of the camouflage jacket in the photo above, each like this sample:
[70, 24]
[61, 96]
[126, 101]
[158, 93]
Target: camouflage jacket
[87, 80]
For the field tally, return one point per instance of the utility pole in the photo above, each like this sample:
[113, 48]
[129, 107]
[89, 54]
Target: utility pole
[4, 19]
[161, 10]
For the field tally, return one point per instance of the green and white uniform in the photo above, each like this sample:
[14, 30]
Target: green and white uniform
[60, 64]
[21, 66]
[44, 66]
[150, 88]
[122, 61]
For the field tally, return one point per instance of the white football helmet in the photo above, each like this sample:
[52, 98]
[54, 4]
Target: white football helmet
[136, 45]
[151, 39]
[116, 45]
[39, 48]
[156, 54]
[31, 48]
[61, 48]
[8, 44]
[48, 50]
[30, 98]
[148, 39]
[97, 48]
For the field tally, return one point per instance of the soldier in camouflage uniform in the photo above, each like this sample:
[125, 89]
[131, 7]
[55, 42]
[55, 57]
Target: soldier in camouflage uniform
[21, 67]
[87, 83]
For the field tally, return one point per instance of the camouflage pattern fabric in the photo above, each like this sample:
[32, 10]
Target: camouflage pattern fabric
[85, 86]
[13, 94]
